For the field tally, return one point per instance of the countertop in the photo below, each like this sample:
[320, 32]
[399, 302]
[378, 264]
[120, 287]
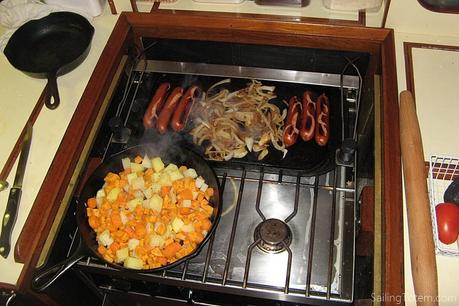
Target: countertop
[20, 93]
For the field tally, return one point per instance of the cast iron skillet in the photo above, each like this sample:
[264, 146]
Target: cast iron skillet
[49, 46]
[87, 242]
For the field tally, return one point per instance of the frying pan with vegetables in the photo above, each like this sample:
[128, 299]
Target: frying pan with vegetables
[88, 244]
[50, 46]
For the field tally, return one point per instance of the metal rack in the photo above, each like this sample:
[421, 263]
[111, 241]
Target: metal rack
[315, 266]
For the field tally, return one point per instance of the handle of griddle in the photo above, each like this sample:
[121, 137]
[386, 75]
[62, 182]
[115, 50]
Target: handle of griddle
[52, 99]
[46, 278]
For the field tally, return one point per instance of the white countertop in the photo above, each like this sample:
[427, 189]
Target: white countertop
[20, 92]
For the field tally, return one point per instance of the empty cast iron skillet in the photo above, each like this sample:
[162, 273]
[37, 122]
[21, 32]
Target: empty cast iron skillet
[88, 243]
[49, 46]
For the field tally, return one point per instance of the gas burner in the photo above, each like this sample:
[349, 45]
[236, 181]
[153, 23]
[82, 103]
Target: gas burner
[274, 235]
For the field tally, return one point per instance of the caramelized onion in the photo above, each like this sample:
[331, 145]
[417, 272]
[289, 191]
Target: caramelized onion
[231, 124]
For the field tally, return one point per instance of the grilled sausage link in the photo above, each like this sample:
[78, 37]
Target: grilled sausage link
[322, 120]
[155, 106]
[168, 109]
[308, 121]
[182, 111]
[292, 122]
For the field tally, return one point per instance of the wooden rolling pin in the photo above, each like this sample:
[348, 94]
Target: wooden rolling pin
[422, 249]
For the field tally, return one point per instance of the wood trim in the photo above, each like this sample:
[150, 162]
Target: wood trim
[362, 18]
[244, 28]
[392, 236]
[409, 65]
[40, 219]
[112, 7]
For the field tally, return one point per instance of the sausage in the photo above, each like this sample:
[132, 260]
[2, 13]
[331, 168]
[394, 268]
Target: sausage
[182, 111]
[168, 109]
[292, 122]
[308, 121]
[155, 106]
[322, 120]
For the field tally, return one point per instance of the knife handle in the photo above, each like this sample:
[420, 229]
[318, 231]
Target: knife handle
[9, 219]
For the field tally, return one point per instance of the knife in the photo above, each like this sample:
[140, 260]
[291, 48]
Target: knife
[9, 218]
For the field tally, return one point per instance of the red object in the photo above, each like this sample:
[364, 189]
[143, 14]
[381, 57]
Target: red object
[322, 120]
[447, 222]
[182, 111]
[155, 106]
[308, 121]
[292, 123]
[168, 109]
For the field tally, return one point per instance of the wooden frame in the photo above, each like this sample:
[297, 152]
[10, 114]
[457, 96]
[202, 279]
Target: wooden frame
[409, 66]
[243, 28]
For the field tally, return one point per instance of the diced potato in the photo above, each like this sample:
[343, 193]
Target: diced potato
[132, 204]
[199, 181]
[104, 238]
[133, 263]
[190, 172]
[124, 218]
[136, 167]
[113, 194]
[133, 243]
[131, 176]
[146, 163]
[186, 203]
[138, 183]
[188, 228]
[156, 202]
[155, 177]
[100, 193]
[122, 254]
[156, 241]
[126, 163]
[171, 168]
[195, 194]
[175, 175]
[157, 164]
[147, 193]
[155, 187]
[204, 187]
[165, 180]
[177, 224]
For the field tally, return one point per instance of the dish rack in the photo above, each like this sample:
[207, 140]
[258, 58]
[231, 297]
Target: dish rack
[442, 171]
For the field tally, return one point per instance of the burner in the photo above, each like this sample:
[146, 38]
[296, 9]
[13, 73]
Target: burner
[274, 235]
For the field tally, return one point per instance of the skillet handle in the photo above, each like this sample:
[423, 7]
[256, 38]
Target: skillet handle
[45, 278]
[52, 99]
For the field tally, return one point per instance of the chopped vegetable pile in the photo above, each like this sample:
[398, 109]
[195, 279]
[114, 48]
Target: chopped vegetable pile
[150, 215]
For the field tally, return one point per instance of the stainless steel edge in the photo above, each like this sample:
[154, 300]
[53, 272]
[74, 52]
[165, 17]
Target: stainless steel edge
[278, 75]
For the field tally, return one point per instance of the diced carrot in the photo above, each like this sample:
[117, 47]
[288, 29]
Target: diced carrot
[165, 190]
[185, 210]
[180, 236]
[162, 260]
[140, 230]
[209, 193]
[186, 194]
[116, 219]
[171, 249]
[196, 237]
[138, 159]
[108, 258]
[114, 247]
[140, 251]
[101, 249]
[93, 222]
[206, 224]
[160, 229]
[92, 203]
